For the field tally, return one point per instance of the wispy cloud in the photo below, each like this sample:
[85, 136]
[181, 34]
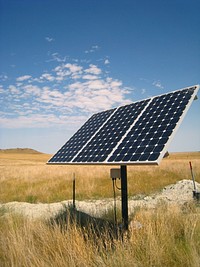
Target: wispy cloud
[41, 121]
[2, 90]
[3, 77]
[49, 39]
[143, 91]
[23, 78]
[158, 84]
[93, 49]
[106, 62]
[57, 57]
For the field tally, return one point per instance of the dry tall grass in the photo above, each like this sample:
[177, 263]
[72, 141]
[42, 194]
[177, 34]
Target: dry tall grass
[26, 177]
[168, 237]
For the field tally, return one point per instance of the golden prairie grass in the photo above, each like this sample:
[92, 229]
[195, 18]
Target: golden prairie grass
[26, 177]
[169, 236]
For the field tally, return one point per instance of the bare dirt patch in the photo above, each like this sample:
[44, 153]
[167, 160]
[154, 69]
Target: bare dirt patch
[179, 193]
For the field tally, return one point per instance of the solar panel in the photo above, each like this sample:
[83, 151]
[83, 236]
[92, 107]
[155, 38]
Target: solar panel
[139, 133]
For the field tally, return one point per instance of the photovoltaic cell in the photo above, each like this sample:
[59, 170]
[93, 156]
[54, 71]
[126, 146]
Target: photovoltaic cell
[138, 133]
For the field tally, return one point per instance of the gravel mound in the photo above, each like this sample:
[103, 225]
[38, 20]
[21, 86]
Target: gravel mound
[178, 193]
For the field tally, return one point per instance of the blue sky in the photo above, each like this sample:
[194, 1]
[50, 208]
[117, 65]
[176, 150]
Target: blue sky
[61, 61]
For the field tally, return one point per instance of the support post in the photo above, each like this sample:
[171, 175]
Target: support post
[124, 196]
[74, 192]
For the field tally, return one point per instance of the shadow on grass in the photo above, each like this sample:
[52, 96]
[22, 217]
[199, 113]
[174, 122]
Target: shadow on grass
[92, 228]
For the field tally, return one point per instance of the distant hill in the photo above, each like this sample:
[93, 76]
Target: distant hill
[20, 151]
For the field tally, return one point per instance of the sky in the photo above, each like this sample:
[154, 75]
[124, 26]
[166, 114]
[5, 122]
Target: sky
[63, 60]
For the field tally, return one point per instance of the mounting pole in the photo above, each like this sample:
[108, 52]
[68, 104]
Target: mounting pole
[74, 191]
[124, 196]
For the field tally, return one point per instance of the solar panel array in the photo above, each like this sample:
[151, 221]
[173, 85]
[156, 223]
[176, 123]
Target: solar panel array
[138, 133]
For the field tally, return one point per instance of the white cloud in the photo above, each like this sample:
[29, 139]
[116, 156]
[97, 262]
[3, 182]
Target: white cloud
[73, 71]
[49, 39]
[18, 84]
[95, 95]
[158, 84]
[143, 91]
[56, 93]
[48, 77]
[58, 68]
[73, 67]
[96, 84]
[93, 69]
[89, 77]
[31, 90]
[13, 89]
[115, 83]
[106, 62]
[27, 120]
[31, 121]
[76, 85]
[57, 57]
[23, 78]
[2, 90]
[3, 77]
[93, 49]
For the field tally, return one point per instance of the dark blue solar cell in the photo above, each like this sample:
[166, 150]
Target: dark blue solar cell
[124, 150]
[126, 158]
[112, 158]
[157, 135]
[140, 149]
[132, 149]
[167, 133]
[153, 142]
[135, 157]
[119, 158]
[158, 148]
[149, 148]
[141, 136]
[117, 151]
[174, 120]
[154, 156]
[161, 128]
[144, 142]
[171, 126]
[163, 140]
[144, 157]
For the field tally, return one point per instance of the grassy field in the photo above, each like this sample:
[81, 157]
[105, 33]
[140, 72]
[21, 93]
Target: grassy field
[168, 236]
[26, 177]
